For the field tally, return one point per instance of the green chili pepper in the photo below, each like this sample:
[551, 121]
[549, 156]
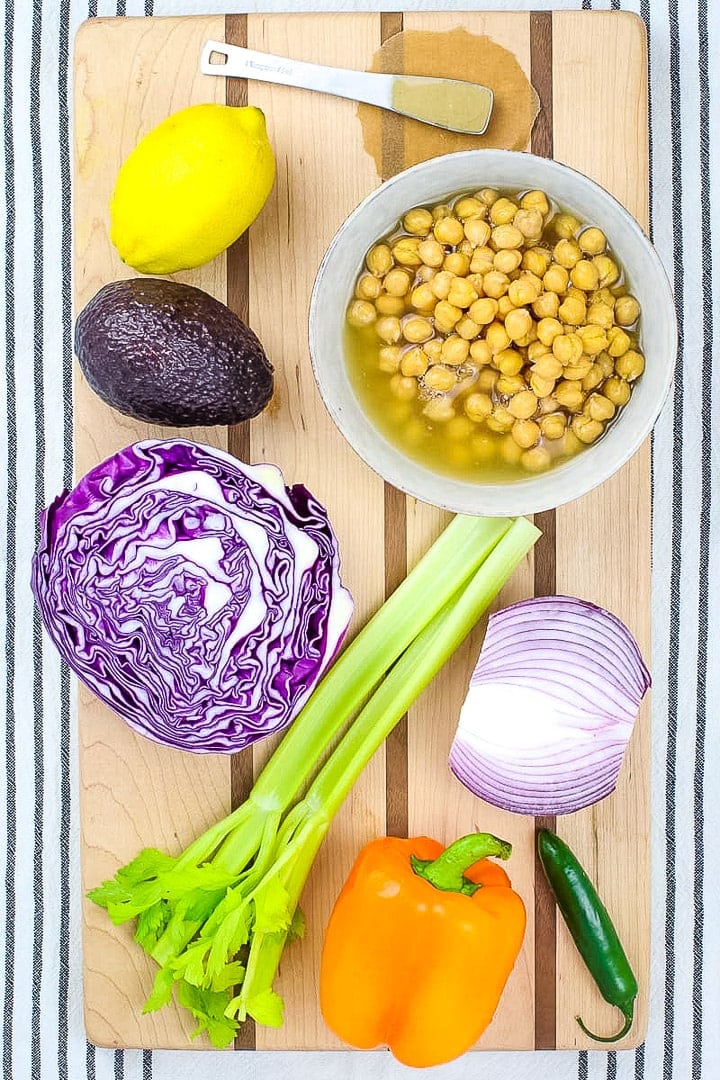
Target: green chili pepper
[591, 929]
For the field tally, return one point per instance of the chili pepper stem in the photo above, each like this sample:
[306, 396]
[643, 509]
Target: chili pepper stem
[628, 1014]
[447, 872]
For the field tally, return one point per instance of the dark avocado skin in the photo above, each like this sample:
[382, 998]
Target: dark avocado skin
[170, 354]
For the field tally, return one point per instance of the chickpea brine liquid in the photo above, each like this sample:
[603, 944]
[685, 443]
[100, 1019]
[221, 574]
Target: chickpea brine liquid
[493, 336]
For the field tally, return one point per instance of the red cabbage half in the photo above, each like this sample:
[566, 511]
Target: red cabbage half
[197, 596]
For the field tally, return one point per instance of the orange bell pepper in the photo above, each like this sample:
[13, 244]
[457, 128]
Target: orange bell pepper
[419, 947]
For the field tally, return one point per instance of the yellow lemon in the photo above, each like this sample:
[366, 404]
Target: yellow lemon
[191, 187]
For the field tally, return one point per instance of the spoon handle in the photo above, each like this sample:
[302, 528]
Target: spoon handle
[342, 82]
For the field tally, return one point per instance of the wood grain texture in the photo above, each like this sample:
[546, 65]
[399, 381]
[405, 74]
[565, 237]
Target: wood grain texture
[129, 74]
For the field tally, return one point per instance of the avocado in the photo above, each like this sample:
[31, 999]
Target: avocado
[169, 353]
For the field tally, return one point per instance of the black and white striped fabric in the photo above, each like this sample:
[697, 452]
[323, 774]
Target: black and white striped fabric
[40, 978]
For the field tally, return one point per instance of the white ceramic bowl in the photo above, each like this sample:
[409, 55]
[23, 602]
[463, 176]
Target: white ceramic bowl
[431, 182]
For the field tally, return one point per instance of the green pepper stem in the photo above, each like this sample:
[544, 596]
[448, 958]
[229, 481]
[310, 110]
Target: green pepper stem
[627, 1013]
[447, 872]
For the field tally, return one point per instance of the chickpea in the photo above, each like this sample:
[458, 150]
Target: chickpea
[584, 275]
[439, 378]
[565, 226]
[467, 328]
[586, 429]
[423, 298]
[398, 411]
[405, 251]
[433, 349]
[607, 269]
[507, 260]
[483, 311]
[478, 407]
[482, 261]
[389, 329]
[536, 460]
[441, 284]
[546, 306]
[505, 306]
[368, 287]
[403, 387]
[476, 280]
[572, 311]
[379, 259]
[469, 207]
[548, 330]
[497, 337]
[508, 385]
[523, 404]
[525, 433]
[527, 339]
[446, 316]
[529, 222]
[598, 407]
[487, 195]
[487, 380]
[510, 452]
[460, 427]
[604, 296]
[414, 362]
[448, 231]
[495, 284]
[556, 279]
[416, 329]
[579, 369]
[431, 253]
[536, 200]
[547, 367]
[461, 293]
[418, 221]
[397, 282]
[541, 387]
[600, 314]
[477, 231]
[536, 260]
[501, 420]
[594, 339]
[457, 263]
[618, 341]
[571, 444]
[509, 362]
[442, 210]
[484, 447]
[553, 426]
[617, 391]
[361, 313]
[592, 241]
[506, 236]
[606, 363]
[416, 431]
[567, 253]
[569, 395]
[502, 211]
[425, 273]
[455, 350]
[439, 410]
[593, 377]
[630, 365]
[524, 290]
[480, 351]
[389, 357]
[517, 323]
[627, 310]
[567, 348]
[390, 305]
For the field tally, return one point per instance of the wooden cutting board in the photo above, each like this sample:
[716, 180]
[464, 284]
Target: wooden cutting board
[589, 70]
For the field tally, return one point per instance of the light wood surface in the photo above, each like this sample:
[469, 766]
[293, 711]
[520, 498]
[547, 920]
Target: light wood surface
[129, 74]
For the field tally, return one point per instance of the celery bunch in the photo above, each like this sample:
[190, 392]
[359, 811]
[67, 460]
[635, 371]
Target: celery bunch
[234, 892]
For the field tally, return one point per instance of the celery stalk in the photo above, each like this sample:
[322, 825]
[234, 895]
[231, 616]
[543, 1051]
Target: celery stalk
[240, 883]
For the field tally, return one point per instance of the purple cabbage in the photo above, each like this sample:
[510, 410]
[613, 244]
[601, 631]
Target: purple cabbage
[197, 596]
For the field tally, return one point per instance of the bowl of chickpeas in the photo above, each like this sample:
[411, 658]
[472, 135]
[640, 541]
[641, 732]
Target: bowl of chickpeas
[493, 332]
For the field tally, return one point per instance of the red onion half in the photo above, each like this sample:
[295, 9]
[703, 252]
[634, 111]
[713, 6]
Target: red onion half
[550, 708]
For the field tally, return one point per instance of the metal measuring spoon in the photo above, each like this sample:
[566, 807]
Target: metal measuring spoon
[452, 104]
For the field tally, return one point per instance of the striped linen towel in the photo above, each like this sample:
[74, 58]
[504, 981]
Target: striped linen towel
[40, 976]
